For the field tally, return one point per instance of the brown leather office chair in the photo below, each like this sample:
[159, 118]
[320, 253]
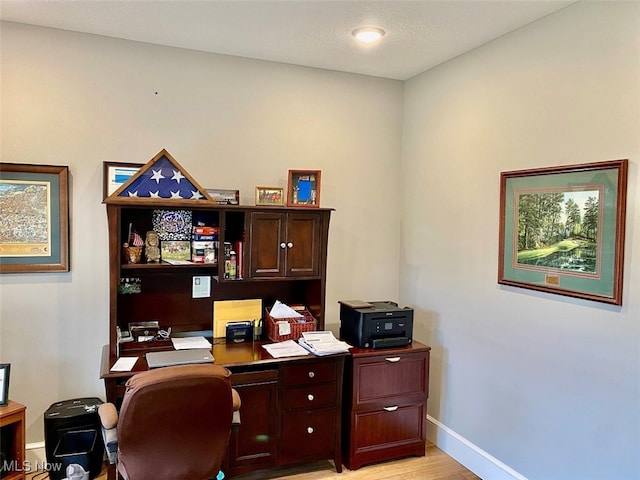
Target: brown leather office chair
[174, 423]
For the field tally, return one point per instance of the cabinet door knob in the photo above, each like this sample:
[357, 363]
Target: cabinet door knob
[311, 374]
[391, 409]
[309, 430]
[310, 397]
[392, 359]
[290, 244]
[283, 245]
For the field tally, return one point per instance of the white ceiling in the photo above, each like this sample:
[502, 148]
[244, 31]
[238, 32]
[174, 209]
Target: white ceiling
[314, 33]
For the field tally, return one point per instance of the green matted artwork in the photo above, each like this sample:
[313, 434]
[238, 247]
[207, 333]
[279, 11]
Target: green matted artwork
[34, 229]
[562, 230]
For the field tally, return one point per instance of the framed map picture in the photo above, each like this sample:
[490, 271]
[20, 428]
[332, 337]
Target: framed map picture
[34, 228]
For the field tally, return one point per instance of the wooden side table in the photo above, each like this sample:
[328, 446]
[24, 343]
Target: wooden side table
[12, 424]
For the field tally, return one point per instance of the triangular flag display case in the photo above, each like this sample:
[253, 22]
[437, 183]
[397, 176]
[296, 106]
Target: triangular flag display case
[161, 178]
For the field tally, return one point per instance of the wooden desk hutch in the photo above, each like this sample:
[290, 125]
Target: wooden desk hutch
[291, 407]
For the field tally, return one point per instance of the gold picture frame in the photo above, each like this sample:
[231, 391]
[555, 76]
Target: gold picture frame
[270, 196]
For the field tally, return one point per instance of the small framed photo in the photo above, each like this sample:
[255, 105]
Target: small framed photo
[115, 174]
[269, 196]
[5, 368]
[224, 196]
[303, 188]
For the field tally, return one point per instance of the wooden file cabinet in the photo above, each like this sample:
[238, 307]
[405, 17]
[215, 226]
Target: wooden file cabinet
[12, 428]
[385, 402]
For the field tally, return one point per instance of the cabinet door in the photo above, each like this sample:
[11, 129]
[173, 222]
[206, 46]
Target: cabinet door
[285, 245]
[253, 445]
[268, 247]
[303, 245]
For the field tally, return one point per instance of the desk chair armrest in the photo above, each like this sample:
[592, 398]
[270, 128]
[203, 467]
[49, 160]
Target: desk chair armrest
[237, 403]
[109, 420]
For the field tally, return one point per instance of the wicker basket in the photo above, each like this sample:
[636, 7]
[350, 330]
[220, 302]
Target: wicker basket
[306, 323]
[132, 254]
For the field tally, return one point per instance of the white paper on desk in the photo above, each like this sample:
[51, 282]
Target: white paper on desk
[323, 342]
[288, 348]
[187, 343]
[124, 364]
[280, 310]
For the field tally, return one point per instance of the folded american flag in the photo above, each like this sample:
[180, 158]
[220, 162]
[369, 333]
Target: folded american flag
[162, 180]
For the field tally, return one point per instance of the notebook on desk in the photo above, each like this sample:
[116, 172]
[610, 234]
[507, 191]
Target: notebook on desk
[178, 357]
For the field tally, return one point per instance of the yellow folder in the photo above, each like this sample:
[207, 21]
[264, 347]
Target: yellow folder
[233, 311]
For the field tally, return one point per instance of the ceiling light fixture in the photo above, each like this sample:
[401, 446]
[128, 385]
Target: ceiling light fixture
[368, 34]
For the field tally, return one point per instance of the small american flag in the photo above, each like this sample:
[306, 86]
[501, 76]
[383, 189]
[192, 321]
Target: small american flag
[136, 240]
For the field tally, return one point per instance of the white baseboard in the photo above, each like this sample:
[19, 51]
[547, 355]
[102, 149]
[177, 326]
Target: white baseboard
[468, 454]
[35, 452]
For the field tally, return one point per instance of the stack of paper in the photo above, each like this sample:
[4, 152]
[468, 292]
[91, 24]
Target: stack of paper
[288, 348]
[187, 343]
[280, 310]
[322, 343]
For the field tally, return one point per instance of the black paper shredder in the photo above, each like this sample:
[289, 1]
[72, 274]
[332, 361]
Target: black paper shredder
[72, 434]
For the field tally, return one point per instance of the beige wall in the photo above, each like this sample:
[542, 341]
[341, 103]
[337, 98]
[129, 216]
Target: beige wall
[545, 384]
[78, 100]
[548, 385]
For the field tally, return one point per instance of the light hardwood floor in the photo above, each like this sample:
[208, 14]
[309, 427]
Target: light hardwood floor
[436, 465]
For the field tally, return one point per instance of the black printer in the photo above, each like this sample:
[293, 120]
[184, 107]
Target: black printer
[375, 324]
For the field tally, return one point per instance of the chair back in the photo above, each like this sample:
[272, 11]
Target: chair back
[174, 423]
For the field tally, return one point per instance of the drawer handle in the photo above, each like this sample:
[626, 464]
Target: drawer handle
[311, 374]
[391, 409]
[309, 430]
[310, 397]
[392, 359]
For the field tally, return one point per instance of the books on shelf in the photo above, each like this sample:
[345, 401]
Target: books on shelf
[204, 244]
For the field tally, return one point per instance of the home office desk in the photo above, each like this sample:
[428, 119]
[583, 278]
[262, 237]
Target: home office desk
[291, 407]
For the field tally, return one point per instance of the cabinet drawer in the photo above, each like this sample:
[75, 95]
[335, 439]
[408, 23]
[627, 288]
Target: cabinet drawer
[390, 377]
[310, 373]
[310, 396]
[393, 427]
[308, 434]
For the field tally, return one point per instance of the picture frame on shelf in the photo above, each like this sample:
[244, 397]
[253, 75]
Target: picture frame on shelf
[270, 196]
[34, 236]
[303, 188]
[115, 174]
[562, 230]
[224, 196]
[5, 370]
